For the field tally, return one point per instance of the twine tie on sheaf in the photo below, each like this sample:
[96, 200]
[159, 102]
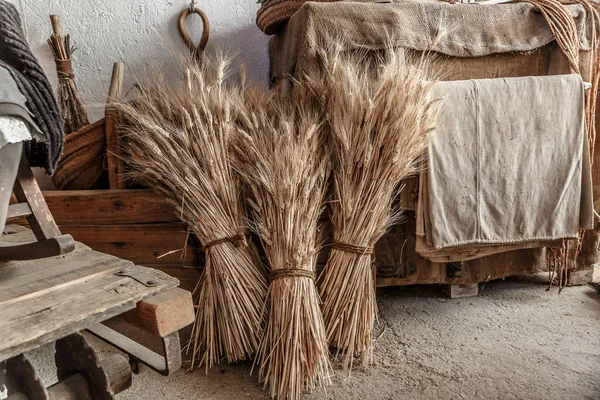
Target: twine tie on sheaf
[64, 69]
[238, 240]
[351, 248]
[291, 273]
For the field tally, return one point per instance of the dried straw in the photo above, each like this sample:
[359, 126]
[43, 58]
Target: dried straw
[280, 155]
[73, 110]
[379, 117]
[177, 144]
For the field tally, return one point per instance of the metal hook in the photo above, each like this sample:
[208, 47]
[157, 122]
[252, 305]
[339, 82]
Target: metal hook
[192, 6]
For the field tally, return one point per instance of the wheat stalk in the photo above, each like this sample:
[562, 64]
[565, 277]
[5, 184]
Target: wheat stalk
[281, 157]
[177, 144]
[379, 120]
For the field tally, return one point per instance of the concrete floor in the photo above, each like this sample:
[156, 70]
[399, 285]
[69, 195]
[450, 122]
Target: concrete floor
[514, 341]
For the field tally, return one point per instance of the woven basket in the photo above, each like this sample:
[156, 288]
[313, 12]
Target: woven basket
[274, 13]
[81, 165]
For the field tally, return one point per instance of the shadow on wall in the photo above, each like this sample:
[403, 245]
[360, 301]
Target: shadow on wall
[246, 44]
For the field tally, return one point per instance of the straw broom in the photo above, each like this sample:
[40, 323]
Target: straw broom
[379, 124]
[73, 110]
[280, 156]
[177, 140]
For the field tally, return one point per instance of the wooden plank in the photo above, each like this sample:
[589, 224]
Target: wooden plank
[27, 190]
[142, 244]
[580, 277]
[19, 210]
[499, 65]
[462, 290]
[107, 207]
[113, 143]
[37, 320]
[163, 314]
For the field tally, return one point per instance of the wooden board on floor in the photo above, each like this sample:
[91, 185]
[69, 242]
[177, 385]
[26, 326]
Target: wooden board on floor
[43, 300]
[580, 277]
[462, 290]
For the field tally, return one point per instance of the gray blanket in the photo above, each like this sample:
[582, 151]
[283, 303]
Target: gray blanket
[17, 58]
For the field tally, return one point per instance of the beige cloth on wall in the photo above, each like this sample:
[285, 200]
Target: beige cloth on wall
[508, 163]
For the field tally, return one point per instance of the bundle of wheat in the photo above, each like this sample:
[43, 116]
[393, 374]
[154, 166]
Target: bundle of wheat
[281, 157]
[177, 144]
[379, 121]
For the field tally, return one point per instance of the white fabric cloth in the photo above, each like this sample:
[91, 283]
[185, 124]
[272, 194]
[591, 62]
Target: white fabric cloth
[14, 130]
[10, 155]
[509, 162]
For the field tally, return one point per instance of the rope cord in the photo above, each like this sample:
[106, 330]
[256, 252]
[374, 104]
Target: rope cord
[238, 240]
[291, 273]
[64, 69]
[563, 27]
[351, 248]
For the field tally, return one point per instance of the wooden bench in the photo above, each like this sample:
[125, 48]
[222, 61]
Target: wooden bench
[47, 300]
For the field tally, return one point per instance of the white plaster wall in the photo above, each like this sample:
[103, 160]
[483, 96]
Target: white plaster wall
[140, 33]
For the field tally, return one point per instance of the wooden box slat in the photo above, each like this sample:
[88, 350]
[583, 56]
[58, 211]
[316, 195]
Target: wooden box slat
[143, 244]
[107, 207]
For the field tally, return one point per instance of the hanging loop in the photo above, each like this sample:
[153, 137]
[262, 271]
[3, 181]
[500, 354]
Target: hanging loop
[196, 51]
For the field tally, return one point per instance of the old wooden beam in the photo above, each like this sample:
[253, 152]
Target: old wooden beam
[164, 313]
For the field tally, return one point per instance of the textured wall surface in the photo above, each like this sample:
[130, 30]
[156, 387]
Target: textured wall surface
[140, 33]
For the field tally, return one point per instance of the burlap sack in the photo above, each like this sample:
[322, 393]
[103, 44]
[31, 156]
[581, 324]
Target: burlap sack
[456, 30]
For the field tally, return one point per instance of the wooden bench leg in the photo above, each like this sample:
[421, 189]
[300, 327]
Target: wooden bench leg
[462, 290]
[161, 316]
[580, 277]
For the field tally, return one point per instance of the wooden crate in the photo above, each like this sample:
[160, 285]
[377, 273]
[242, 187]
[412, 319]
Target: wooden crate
[128, 223]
